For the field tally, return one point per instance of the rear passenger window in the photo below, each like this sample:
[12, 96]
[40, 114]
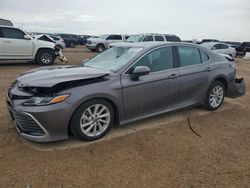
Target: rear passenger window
[189, 56]
[204, 57]
[148, 38]
[159, 38]
[117, 37]
[223, 46]
[172, 38]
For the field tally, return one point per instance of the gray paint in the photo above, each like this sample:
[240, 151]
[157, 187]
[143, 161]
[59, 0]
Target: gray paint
[152, 94]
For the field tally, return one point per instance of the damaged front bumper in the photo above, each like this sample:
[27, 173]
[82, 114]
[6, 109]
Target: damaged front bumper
[59, 53]
[236, 88]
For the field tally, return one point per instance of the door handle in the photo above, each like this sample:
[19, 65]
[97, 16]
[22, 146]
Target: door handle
[7, 41]
[173, 76]
[208, 69]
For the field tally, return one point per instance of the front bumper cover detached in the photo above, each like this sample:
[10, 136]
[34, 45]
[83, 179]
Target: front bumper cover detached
[236, 88]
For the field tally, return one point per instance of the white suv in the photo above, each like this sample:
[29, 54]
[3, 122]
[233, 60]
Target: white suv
[102, 42]
[16, 44]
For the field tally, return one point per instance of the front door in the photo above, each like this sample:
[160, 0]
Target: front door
[154, 92]
[14, 43]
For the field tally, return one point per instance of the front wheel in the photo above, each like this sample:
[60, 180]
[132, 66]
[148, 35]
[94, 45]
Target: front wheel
[92, 120]
[100, 48]
[215, 96]
[45, 57]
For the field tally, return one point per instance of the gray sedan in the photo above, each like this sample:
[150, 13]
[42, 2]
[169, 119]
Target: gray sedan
[123, 84]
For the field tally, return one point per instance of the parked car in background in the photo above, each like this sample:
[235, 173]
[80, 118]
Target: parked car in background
[233, 44]
[243, 48]
[5, 22]
[220, 48]
[153, 37]
[70, 40]
[128, 82]
[82, 39]
[102, 42]
[16, 44]
[59, 42]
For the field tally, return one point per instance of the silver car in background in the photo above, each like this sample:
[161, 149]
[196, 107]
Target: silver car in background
[128, 82]
[221, 48]
[59, 42]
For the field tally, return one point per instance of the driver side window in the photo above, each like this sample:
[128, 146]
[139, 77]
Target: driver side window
[157, 60]
[12, 33]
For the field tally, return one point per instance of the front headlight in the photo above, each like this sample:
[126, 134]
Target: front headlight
[40, 101]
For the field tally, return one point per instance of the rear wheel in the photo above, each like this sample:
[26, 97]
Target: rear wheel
[71, 44]
[45, 57]
[215, 96]
[92, 120]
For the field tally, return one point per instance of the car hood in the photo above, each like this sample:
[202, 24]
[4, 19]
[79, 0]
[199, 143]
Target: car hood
[51, 76]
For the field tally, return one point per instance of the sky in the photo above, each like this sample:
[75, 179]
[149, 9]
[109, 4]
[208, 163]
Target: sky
[217, 19]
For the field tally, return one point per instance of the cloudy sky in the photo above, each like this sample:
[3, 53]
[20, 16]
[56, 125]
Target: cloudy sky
[221, 19]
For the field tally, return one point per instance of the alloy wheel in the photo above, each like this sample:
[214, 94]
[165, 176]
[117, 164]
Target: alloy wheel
[95, 120]
[216, 96]
[46, 58]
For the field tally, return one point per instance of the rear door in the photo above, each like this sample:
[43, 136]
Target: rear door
[15, 45]
[194, 71]
[154, 92]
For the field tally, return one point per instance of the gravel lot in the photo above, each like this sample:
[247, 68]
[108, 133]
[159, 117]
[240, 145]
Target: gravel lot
[158, 152]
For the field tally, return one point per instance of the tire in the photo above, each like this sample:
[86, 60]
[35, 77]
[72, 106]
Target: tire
[93, 50]
[100, 48]
[45, 57]
[71, 44]
[86, 126]
[215, 96]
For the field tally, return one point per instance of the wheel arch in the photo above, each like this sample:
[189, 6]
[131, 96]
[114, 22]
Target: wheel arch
[223, 79]
[43, 48]
[114, 104]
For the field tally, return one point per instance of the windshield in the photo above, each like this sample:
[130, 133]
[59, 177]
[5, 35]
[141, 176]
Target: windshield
[103, 36]
[135, 38]
[113, 59]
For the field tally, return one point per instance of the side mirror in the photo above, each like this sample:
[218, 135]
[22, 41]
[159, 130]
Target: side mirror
[26, 37]
[213, 48]
[139, 71]
[84, 61]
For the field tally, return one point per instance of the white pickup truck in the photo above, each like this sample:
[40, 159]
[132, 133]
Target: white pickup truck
[16, 44]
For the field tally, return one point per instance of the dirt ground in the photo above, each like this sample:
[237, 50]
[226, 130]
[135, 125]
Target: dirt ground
[169, 155]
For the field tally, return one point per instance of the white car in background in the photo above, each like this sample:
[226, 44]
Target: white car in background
[59, 42]
[220, 48]
[16, 44]
[102, 42]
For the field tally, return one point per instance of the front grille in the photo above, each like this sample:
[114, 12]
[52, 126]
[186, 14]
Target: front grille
[27, 125]
[89, 42]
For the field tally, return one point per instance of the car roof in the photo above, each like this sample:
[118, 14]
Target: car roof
[9, 26]
[210, 44]
[149, 45]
